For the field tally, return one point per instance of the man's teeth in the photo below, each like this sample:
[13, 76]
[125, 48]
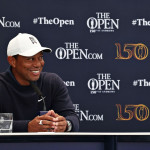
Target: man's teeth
[35, 71]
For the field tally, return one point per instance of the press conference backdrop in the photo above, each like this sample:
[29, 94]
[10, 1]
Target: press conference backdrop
[100, 50]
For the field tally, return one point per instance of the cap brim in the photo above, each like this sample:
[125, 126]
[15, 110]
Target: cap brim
[34, 51]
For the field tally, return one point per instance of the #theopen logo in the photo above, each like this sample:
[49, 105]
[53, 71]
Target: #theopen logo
[54, 21]
[72, 51]
[141, 82]
[102, 23]
[140, 22]
[104, 84]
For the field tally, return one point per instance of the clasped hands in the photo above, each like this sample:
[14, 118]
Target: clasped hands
[49, 122]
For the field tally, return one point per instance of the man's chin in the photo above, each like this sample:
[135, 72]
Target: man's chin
[34, 79]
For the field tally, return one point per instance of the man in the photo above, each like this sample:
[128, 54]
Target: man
[25, 90]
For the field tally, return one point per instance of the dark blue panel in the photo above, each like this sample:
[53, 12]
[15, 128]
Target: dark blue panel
[133, 146]
[53, 146]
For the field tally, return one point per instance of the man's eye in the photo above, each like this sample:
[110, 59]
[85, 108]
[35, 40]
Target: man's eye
[41, 57]
[30, 59]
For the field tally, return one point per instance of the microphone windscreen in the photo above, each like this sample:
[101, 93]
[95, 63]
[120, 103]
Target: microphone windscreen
[36, 89]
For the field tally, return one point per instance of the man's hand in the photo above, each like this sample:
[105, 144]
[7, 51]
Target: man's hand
[51, 122]
[60, 124]
[46, 126]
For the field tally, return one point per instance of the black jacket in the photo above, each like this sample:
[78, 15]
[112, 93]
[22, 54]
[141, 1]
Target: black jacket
[22, 101]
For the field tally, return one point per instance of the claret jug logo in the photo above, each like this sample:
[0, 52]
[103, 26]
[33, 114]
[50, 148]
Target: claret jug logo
[139, 51]
[104, 84]
[72, 51]
[102, 23]
[140, 112]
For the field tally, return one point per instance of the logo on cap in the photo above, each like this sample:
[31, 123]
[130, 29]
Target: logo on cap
[32, 40]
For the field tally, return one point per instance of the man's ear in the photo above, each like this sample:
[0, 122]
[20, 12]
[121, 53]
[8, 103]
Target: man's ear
[11, 61]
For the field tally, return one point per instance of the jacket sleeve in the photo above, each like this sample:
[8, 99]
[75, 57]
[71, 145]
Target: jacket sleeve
[62, 103]
[20, 125]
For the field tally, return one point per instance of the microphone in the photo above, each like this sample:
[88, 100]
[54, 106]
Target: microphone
[39, 93]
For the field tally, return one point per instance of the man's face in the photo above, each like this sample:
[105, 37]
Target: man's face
[27, 69]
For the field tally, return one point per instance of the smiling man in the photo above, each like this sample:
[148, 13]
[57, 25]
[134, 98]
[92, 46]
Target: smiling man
[25, 90]
[26, 69]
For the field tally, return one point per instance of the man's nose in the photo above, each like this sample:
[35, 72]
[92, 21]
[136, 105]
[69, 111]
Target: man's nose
[37, 63]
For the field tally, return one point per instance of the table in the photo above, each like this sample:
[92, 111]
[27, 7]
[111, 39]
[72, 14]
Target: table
[73, 141]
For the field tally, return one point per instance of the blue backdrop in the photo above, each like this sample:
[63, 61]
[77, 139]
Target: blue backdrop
[100, 50]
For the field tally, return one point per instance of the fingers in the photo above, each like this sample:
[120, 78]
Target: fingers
[60, 128]
[59, 119]
[45, 125]
[51, 113]
[45, 117]
[60, 124]
[49, 122]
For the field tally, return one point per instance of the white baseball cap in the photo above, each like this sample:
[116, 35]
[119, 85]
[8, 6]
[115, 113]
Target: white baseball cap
[25, 45]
